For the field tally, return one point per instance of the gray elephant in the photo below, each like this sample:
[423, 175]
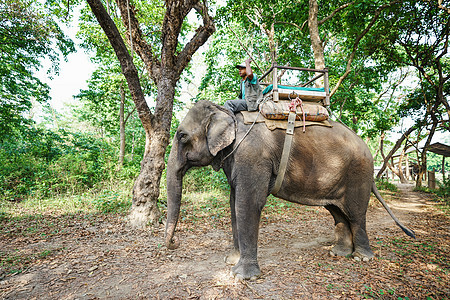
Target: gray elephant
[330, 167]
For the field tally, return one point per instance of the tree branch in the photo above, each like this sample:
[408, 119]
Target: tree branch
[176, 11]
[356, 43]
[143, 49]
[126, 62]
[201, 36]
[443, 7]
[292, 24]
[394, 149]
[335, 12]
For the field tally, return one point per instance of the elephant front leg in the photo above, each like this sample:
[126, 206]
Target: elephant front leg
[233, 257]
[248, 207]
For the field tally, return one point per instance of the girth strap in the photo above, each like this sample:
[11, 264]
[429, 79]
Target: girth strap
[286, 151]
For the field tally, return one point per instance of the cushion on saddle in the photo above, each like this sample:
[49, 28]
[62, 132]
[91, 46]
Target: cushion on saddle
[286, 92]
[295, 88]
[280, 111]
[254, 116]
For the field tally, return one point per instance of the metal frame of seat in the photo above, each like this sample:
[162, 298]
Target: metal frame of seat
[322, 73]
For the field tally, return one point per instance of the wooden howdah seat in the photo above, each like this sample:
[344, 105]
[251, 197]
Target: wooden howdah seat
[285, 92]
[308, 103]
[277, 91]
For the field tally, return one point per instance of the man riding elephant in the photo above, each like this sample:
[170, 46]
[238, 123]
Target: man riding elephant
[250, 91]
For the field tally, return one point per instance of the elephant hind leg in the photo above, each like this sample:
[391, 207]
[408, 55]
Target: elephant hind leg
[361, 240]
[344, 237]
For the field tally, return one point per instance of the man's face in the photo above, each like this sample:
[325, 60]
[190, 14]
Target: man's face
[242, 72]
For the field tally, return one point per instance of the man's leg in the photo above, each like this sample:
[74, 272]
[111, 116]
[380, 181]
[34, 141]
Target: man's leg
[236, 105]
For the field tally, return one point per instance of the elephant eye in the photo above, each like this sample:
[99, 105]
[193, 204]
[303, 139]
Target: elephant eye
[182, 137]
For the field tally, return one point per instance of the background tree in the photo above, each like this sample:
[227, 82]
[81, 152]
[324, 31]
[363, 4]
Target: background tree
[164, 67]
[416, 36]
[28, 33]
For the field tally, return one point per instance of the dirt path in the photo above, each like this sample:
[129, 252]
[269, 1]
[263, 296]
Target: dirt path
[98, 257]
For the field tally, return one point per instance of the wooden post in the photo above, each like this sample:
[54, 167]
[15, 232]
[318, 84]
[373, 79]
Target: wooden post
[443, 169]
[432, 179]
[408, 174]
[393, 166]
[326, 86]
[275, 83]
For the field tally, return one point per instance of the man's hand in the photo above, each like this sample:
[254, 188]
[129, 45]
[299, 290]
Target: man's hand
[248, 69]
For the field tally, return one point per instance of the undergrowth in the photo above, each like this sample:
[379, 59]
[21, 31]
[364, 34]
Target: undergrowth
[383, 184]
[442, 193]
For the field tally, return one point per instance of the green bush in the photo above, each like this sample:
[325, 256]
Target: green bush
[443, 191]
[42, 163]
[202, 179]
[383, 184]
[18, 174]
[109, 202]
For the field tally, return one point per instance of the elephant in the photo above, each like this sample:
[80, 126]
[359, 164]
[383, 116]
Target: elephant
[329, 167]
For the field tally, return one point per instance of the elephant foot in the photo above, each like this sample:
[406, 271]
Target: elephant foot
[341, 250]
[244, 271]
[363, 255]
[233, 257]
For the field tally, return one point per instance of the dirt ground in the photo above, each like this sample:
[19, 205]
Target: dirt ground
[99, 257]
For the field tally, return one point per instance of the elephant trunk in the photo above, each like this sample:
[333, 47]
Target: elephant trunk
[174, 188]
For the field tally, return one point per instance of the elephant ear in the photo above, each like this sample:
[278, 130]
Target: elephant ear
[221, 130]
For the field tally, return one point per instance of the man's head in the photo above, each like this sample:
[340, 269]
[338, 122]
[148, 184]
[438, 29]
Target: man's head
[242, 70]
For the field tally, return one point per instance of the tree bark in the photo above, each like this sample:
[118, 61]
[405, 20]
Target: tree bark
[316, 42]
[393, 150]
[146, 187]
[400, 166]
[389, 165]
[423, 156]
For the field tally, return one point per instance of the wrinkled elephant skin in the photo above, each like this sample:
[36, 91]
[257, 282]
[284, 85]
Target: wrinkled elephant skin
[330, 167]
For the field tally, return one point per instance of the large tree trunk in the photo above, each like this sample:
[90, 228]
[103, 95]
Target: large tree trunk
[400, 166]
[316, 42]
[146, 188]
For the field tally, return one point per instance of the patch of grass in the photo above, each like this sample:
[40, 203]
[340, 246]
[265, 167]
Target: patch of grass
[442, 194]
[369, 292]
[383, 184]
[111, 202]
[108, 199]
[205, 208]
[429, 251]
[274, 204]
[19, 260]
[332, 286]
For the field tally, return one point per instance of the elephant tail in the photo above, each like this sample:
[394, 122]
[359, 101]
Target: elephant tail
[404, 228]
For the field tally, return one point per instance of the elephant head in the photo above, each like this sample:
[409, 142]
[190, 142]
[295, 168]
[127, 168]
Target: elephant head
[205, 131]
